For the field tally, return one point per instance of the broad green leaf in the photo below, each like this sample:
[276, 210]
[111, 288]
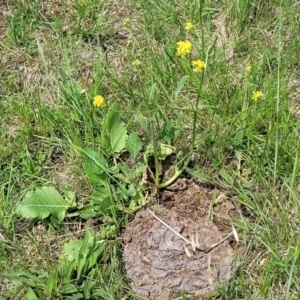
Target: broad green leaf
[164, 151]
[95, 162]
[105, 142]
[112, 117]
[114, 132]
[118, 137]
[168, 132]
[101, 200]
[96, 167]
[71, 250]
[133, 144]
[43, 202]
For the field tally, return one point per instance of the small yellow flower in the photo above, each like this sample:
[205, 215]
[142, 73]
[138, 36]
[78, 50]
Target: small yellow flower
[136, 63]
[248, 69]
[183, 48]
[257, 95]
[189, 26]
[126, 21]
[99, 101]
[198, 65]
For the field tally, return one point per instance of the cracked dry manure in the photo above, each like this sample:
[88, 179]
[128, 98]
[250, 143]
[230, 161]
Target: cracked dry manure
[158, 264]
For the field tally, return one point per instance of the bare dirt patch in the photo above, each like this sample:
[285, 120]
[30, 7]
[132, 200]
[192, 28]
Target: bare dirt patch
[160, 264]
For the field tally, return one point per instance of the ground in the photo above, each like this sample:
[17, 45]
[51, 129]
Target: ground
[155, 258]
[193, 147]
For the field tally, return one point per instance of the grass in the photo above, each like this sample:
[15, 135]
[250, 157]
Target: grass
[55, 57]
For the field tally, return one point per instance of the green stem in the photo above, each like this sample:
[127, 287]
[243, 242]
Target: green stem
[156, 177]
[195, 119]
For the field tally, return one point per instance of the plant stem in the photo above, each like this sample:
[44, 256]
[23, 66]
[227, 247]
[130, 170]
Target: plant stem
[156, 176]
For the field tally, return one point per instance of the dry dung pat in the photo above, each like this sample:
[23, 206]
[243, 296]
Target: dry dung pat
[162, 265]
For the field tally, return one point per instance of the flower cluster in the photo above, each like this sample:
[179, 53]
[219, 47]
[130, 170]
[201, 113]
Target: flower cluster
[198, 65]
[126, 21]
[189, 26]
[136, 63]
[257, 95]
[183, 48]
[248, 69]
[99, 101]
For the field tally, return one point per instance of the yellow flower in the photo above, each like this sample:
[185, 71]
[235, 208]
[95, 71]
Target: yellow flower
[136, 63]
[126, 21]
[183, 48]
[99, 101]
[248, 69]
[198, 65]
[257, 95]
[189, 26]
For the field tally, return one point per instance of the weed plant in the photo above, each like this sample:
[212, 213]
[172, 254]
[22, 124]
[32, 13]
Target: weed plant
[95, 95]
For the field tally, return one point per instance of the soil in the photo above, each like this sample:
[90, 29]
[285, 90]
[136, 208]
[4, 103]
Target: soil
[162, 265]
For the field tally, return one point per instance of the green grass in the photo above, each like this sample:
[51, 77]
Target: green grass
[55, 57]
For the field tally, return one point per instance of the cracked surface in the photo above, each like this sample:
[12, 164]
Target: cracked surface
[156, 260]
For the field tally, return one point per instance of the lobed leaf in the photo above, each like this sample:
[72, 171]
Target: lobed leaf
[133, 144]
[41, 203]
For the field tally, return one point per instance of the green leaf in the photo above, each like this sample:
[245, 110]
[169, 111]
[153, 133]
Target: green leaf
[114, 132]
[139, 169]
[229, 179]
[95, 162]
[88, 255]
[103, 294]
[31, 295]
[133, 144]
[101, 200]
[181, 84]
[52, 282]
[68, 270]
[112, 117]
[118, 137]
[42, 203]
[69, 288]
[142, 121]
[164, 151]
[168, 132]
[152, 91]
[84, 252]
[87, 288]
[238, 140]
[200, 175]
[96, 167]
[25, 278]
[71, 250]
